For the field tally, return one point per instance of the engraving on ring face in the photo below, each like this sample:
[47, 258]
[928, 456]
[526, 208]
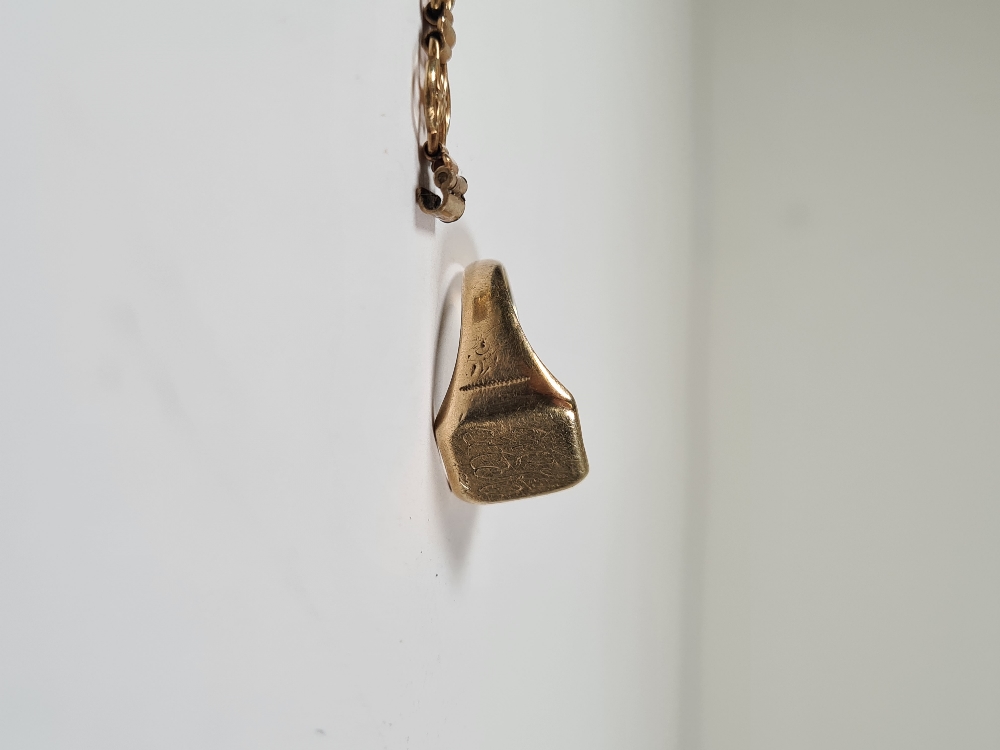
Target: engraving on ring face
[522, 457]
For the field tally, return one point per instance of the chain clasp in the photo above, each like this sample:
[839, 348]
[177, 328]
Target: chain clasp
[438, 40]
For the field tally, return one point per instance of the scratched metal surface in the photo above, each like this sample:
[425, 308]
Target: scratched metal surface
[507, 429]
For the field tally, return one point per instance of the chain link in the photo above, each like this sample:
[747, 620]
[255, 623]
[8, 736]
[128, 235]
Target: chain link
[438, 39]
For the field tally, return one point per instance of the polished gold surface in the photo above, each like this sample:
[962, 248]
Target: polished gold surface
[435, 96]
[507, 428]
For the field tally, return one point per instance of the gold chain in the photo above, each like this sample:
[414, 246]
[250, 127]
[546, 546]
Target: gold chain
[438, 40]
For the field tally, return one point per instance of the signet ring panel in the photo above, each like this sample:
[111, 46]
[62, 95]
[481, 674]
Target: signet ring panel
[507, 428]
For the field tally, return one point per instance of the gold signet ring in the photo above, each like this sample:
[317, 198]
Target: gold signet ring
[507, 428]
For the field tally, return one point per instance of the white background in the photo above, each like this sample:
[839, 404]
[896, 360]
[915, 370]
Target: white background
[223, 519]
[223, 522]
[850, 491]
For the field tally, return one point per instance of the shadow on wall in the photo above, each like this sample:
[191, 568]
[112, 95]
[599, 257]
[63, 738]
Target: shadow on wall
[457, 518]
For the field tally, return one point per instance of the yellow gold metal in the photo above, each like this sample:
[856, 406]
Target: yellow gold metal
[435, 96]
[507, 428]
